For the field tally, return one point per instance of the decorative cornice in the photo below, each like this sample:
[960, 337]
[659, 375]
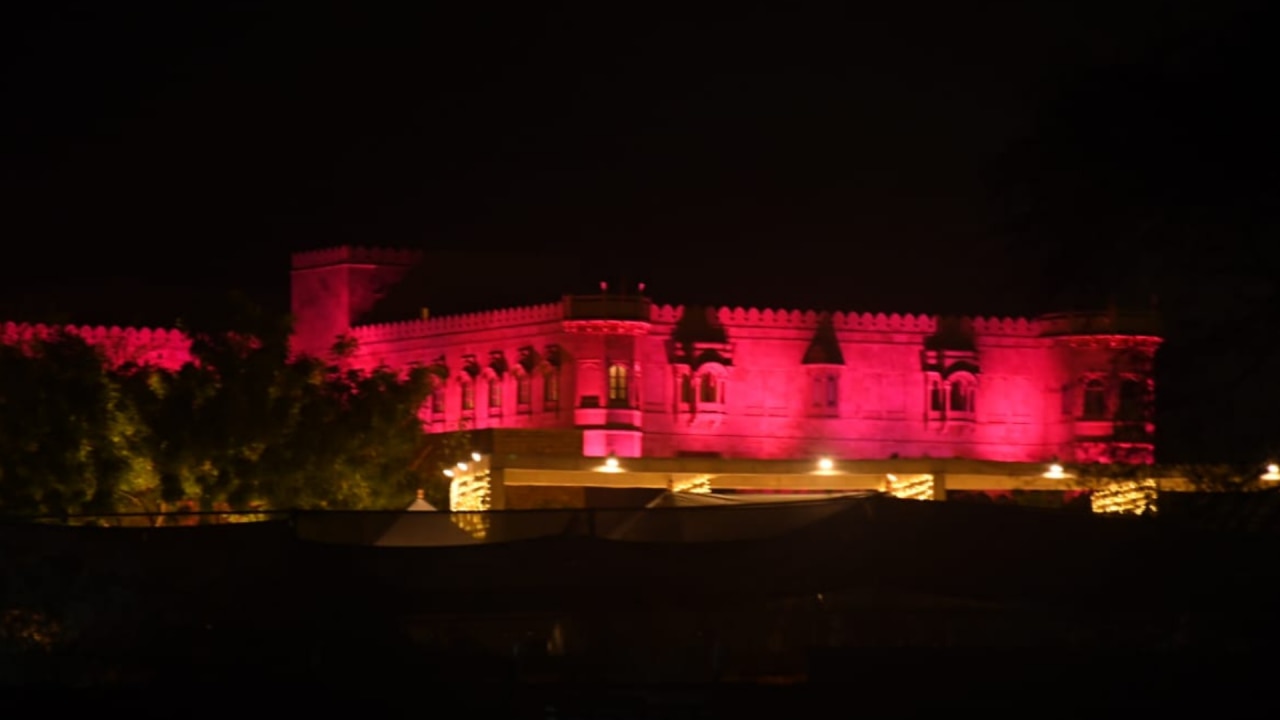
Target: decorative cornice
[410, 329]
[852, 321]
[606, 327]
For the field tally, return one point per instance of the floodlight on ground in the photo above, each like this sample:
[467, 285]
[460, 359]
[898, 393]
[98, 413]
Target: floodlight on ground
[1272, 473]
[1055, 472]
[611, 465]
[826, 465]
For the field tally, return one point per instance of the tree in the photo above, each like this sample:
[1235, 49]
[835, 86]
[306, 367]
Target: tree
[248, 426]
[356, 441]
[244, 426]
[70, 442]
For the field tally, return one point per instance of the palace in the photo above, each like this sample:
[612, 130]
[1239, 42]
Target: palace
[645, 380]
[613, 390]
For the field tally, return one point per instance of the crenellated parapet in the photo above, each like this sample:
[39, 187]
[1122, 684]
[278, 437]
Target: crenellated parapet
[162, 347]
[851, 321]
[349, 255]
[1083, 324]
[386, 332]
[507, 317]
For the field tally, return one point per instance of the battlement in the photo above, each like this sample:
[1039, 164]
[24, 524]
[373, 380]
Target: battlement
[852, 321]
[159, 346]
[347, 254]
[506, 317]
[1059, 324]
[1100, 323]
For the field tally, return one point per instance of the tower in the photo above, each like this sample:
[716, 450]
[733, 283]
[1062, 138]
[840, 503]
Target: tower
[330, 289]
[603, 333]
[1104, 367]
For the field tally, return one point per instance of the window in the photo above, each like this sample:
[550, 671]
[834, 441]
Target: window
[1095, 400]
[1067, 400]
[524, 390]
[437, 402]
[710, 392]
[618, 384]
[551, 390]
[824, 392]
[1133, 401]
[495, 392]
[961, 397]
[937, 401]
[468, 396]
[686, 389]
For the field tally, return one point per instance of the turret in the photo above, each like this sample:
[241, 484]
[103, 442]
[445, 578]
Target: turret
[602, 332]
[1104, 365]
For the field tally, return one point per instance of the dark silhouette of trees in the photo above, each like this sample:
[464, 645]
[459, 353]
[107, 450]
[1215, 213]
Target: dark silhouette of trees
[244, 426]
[70, 442]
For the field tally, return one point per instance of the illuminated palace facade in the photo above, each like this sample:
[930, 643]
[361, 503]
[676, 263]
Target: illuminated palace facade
[638, 379]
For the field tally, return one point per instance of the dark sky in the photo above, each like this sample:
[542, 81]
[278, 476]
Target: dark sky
[966, 157]
[724, 155]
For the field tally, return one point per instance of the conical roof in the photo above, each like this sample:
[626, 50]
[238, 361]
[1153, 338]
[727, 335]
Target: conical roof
[824, 349]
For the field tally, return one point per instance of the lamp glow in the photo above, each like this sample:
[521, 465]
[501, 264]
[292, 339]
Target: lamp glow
[475, 457]
[1055, 472]
[462, 466]
[826, 465]
[448, 472]
[1273, 472]
[610, 465]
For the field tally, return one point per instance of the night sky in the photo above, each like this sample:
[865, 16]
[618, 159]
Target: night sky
[965, 157]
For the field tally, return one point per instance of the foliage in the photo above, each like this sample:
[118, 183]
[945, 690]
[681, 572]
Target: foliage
[1204, 478]
[69, 441]
[245, 426]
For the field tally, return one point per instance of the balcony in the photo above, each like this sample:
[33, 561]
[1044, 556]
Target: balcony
[613, 417]
[1095, 429]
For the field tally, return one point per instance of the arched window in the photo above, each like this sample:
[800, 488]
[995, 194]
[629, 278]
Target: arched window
[710, 389]
[551, 390]
[524, 389]
[468, 396]
[437, 402]
[1133, 401]
[962, 396]
[618, 384]
[1095, 400]
[495, 392]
